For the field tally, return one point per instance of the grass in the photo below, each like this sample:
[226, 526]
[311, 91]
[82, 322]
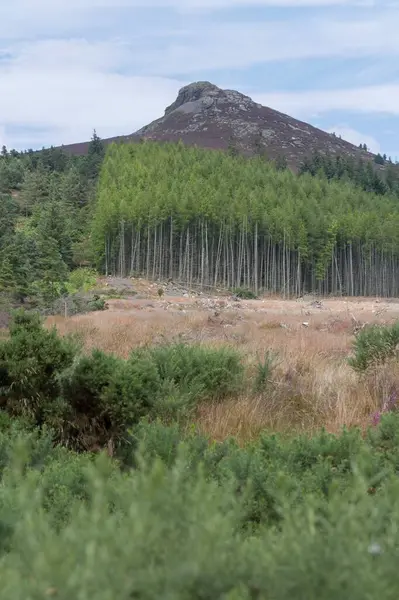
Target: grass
[311, 384]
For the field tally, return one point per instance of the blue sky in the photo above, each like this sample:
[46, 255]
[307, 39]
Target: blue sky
[68, 66]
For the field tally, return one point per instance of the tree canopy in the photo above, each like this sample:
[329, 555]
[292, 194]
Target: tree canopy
[166, 208]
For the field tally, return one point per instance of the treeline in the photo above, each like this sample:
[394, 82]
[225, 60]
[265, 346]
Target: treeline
[206, 217]
[361, 172]
[45, 207]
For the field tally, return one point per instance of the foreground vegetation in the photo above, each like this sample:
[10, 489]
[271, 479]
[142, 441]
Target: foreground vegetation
[166, 511]
[109, 486]
[183, 518]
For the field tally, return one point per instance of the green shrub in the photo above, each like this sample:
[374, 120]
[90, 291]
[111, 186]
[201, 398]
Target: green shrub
[158, 532]
[106, 395]
[281, 518]
[373, 345]
[92, 400]
[30, 362]
[96, 303]
[244, 294]
[264, 371]
[198, 371]
[81, 279]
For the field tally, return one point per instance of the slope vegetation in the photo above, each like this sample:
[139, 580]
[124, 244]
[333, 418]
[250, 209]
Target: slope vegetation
[211, 218]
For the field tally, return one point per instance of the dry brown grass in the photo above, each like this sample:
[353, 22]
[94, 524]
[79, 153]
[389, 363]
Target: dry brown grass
[311, 384]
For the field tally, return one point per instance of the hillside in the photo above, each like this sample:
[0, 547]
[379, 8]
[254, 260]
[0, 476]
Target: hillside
[210, 218]
[209, 117]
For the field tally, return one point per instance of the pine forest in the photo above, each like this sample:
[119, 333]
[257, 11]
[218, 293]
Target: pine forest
[214, 219]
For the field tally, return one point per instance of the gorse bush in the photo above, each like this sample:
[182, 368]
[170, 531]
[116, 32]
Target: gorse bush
[92, 400]
[205, 372]
[107, 395]
[374, 345]
[279, 519]
[30, 362]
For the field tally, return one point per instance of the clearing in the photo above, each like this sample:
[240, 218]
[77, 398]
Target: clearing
[310, 384]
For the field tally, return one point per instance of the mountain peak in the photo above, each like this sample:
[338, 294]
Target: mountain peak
[210, 117]
[201, 95]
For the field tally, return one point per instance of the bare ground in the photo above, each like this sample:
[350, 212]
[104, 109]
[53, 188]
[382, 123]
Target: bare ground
[311, 384]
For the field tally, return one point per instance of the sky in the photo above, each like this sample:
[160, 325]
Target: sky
[69, 66]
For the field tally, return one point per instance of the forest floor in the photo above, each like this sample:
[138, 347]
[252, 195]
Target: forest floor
[308, 340]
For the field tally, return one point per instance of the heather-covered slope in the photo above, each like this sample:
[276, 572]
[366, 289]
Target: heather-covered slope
[209, 117]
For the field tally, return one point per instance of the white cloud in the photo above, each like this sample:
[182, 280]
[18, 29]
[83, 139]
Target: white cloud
[356, 137]
[371, 99]
[30, 18]
[67, 88]
[242, 44]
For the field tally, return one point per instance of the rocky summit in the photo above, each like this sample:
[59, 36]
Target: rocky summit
[210, 117]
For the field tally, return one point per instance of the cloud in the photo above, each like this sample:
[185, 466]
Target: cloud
[369, 99]
[31, 18]
[60, 5]
[61, 90]
[356, 137]
[241, 44]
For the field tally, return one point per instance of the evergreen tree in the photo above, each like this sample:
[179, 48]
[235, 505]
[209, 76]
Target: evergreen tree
[53, 269]
[281, 162]
[95, 156]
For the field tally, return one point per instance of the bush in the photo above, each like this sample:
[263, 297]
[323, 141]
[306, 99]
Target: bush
[200, 372]
[264, 371]
[244, 294]
[373, 345]
[106, 395]
[91, 400]
[81, 279]
[170, 529]
[96, 303]
[30, 362]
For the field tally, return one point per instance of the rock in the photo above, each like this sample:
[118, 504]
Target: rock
[316, 304]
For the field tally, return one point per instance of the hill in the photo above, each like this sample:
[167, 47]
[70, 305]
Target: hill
[209, 117]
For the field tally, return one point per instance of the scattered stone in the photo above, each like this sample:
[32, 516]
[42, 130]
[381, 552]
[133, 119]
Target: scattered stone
[317, 304]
